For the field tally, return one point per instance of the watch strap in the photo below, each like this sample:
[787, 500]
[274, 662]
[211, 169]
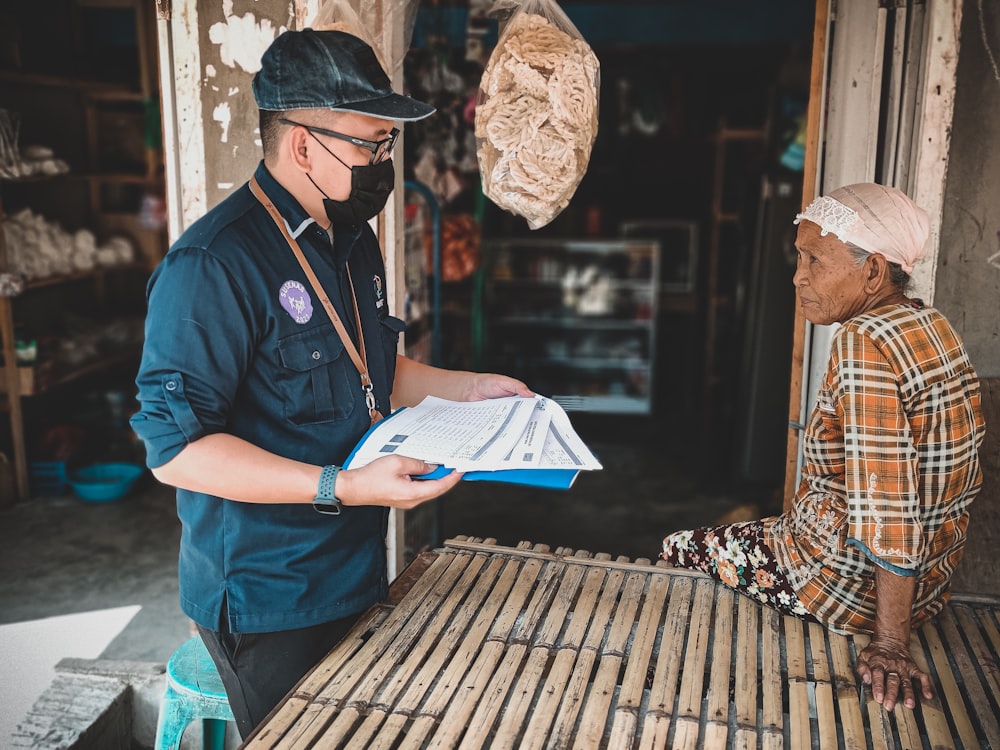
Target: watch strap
[326, 501]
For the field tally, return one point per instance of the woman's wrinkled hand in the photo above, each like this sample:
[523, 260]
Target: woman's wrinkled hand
[887, 666]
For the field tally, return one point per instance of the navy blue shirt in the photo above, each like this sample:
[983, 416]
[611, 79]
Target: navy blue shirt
[237, 342]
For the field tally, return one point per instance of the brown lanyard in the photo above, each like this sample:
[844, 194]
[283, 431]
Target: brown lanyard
[359, 358]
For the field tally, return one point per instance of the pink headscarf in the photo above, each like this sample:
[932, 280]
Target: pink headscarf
[876, 218]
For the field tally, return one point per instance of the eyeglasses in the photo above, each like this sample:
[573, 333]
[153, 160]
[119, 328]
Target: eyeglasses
[380, 150]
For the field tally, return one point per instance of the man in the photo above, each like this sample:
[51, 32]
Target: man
[251, 396]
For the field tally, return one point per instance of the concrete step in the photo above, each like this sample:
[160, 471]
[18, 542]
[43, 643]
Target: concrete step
[98, 704]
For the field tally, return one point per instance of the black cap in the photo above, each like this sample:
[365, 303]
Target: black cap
[333, 70]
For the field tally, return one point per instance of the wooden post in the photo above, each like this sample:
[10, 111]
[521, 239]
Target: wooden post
[935, 108]
[12, 378]
[814, 119]
[13, 383]
[391, 235]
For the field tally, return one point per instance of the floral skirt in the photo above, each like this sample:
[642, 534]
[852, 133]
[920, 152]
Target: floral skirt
[737, 556]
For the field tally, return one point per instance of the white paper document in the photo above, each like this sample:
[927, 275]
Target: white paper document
[527, 451]
[563, 448]
[490, 435]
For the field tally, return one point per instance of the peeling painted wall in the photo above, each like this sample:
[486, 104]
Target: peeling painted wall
[233, 35]
[209, 53]
[968, 272]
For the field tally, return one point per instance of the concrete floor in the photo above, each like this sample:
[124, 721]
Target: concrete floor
[62, 556]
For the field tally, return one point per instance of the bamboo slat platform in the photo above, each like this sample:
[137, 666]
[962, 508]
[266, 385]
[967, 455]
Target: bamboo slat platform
[499, 647]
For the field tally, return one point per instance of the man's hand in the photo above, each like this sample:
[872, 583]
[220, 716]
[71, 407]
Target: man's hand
[389, 481]
[887, 666]
[489, 385]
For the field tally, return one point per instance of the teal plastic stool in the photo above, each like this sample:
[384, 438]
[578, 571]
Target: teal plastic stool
[194, 691]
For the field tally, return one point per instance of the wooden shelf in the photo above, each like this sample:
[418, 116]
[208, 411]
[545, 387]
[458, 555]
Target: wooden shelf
[719, 296]
[624, 364]
[107, 90]
[605, 360]
[138, 178]
[106, 362]
[685, 302]
[106, 3]
[740, 134]
[84, 275]
[604, 404]
[594, 323]
[58, 375]
[33, 178]
[526, 283]
[115, 95]
[97, 103]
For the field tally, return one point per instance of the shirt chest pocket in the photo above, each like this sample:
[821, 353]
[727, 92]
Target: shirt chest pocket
[317, 378]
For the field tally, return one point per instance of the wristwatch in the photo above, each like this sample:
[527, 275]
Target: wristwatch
[325, 501]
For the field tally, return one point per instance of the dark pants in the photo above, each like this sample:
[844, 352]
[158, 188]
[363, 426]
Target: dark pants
[259, 669]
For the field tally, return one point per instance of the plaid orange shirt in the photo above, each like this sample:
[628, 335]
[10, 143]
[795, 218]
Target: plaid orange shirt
[891, 464]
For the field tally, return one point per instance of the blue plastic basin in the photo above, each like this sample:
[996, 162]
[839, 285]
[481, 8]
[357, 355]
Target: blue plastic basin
[103, 483]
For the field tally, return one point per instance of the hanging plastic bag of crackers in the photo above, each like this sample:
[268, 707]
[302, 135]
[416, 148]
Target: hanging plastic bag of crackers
[339, 15]
[536, 114]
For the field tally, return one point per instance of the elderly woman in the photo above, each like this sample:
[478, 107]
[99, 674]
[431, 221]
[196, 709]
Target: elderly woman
[891, 463]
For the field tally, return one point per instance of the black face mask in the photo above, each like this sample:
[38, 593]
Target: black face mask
[370, 188]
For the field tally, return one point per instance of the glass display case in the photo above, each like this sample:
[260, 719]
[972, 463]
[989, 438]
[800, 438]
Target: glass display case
[574, 319]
